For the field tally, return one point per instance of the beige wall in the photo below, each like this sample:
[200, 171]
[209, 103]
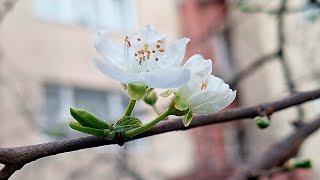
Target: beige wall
[35, 52]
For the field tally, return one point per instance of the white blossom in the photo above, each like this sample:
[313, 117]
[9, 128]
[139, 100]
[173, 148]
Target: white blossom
[144, 57]
[205, 93]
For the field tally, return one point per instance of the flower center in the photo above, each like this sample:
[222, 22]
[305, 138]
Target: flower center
[144, 51]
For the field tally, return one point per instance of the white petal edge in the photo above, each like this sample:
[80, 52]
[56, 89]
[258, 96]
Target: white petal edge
[167, 78]
[116, 73]
[212, 107]
[107, 48]
[175, 53]
[200, 68]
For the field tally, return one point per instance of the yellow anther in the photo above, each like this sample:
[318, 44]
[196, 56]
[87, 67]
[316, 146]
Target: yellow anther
[204, 86]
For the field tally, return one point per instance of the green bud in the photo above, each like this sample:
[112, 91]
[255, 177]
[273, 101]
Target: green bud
[150, 98]
[299, 163]
[178, 106]
[262, 122]
[137, 91]
[88, 120]
[78, 127]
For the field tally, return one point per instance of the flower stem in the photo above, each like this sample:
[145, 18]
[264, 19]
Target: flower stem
[130, 107]
[134, 132]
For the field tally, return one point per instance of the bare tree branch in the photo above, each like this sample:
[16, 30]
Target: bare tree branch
[6, 7]
[19, 156]
[238, 77]
[279, 153]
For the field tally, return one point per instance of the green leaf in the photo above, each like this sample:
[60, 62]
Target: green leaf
[127, 123]
[88, 120]
[262, 122]
[167, 93]
[78, 127]
[187, 118]
[137, 91]
[180, 104]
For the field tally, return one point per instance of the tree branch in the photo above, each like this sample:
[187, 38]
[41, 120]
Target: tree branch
[25, 154]
[279, 153]
[238, 77]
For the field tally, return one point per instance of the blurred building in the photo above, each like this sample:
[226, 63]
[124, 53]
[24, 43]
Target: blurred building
[235, 40]
[46, 51]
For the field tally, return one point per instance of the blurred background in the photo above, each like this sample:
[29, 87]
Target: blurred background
[46, 51]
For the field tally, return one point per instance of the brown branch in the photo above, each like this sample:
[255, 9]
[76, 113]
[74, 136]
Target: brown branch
[25, 154]
[279, 153]
[8, 170]
[238, 77]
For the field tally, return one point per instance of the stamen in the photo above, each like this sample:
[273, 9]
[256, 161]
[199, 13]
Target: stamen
[138, 39]
[161, 50]
[204, 86]
[158, 46]
[153, 51]
[159, 41]
[157, 59]
[126, 40]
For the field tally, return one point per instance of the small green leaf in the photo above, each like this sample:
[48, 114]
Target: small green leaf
[137, 91]
[126, 123]
[262, 122]
[78, 127]
[167, 93]
[187, 118]
[151, 98]
[88, 120]
[180, 104]
[299, 163]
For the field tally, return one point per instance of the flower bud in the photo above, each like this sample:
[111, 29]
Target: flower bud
[137, 91]
[299, 163]
[150, 98]
[262, 122]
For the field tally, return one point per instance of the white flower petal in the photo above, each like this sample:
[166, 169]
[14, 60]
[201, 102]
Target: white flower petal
[215, 106]
[116, 73]
[167, 78]
[200, 69]
[175, 53]
[108, 49]
[215, 90]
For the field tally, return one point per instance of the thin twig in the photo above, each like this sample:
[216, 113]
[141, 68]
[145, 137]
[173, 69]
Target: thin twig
[238, 77]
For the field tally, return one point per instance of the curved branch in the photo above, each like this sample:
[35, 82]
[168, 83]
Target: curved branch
[280, 152]
[25, 154]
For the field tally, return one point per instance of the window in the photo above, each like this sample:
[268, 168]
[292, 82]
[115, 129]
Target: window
[58, 99]
[113, 14]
